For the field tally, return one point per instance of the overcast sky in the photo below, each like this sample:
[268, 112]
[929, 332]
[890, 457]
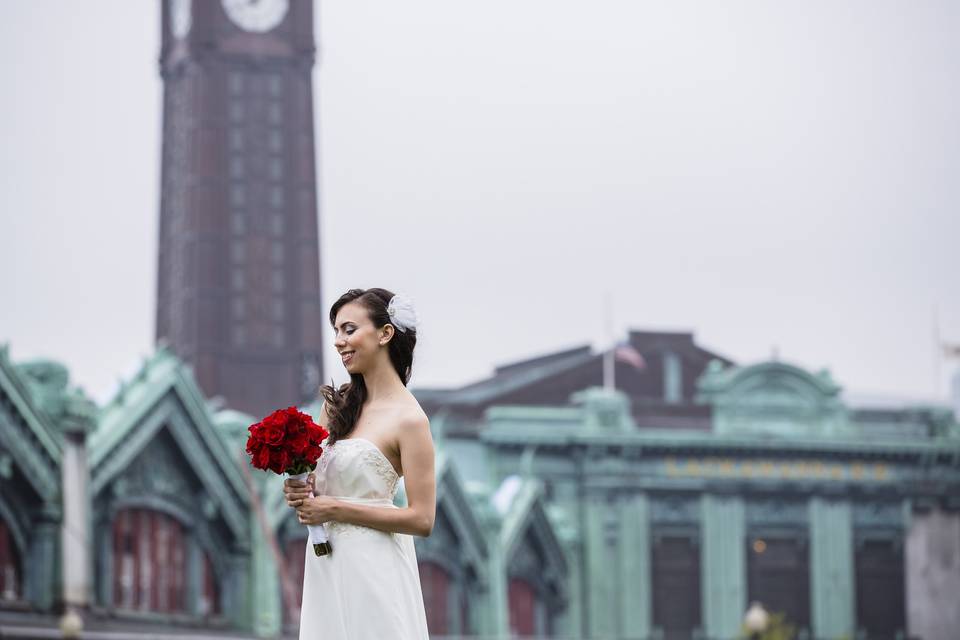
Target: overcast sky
[767, 175]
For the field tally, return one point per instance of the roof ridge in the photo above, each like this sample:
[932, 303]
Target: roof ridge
[541, 359]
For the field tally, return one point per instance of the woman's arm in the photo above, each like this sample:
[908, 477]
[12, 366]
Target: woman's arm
[417, 518]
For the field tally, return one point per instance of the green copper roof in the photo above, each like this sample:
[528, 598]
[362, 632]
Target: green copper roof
[23, 396]
[452, 494]
[521, 504]
[134, 406]
[31, 437]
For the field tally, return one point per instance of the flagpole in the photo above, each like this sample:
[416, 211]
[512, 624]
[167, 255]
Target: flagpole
[609, 379]
[609, 383]
[937, 352]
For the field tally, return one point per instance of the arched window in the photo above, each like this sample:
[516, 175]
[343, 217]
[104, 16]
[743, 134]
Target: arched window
[10, 573]
[149, 562]
[435, 584]
[523, 607]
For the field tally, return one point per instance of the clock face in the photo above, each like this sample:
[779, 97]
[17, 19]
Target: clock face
[180, 17]
[256, 15]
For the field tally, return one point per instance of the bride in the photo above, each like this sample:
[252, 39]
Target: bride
[369, 585]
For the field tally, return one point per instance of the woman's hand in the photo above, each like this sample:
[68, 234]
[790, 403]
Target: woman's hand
[310, 510]
[318, 510]
[297, 491]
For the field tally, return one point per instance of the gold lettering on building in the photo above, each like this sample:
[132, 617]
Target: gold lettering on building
[792, 469]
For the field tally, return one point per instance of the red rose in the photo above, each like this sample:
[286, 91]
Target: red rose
[253, 441]
[279, 460]
[286, 441]
[298, 443]
[317, 433]
[273, 432]
[261, 458]
[313, 452]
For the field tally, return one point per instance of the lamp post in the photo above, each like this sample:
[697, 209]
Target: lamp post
[71, 624]
[756, 620]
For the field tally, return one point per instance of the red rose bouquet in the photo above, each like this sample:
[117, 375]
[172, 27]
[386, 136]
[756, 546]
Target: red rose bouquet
[288, 441]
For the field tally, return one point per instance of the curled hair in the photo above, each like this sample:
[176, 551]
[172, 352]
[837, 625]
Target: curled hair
[343, 405]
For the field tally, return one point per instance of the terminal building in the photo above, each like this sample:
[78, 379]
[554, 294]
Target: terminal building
[658, 506]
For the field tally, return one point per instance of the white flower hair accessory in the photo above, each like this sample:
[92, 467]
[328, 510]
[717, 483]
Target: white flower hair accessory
[402, 314]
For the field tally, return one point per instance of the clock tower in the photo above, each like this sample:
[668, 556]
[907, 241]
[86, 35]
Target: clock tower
[238, 278]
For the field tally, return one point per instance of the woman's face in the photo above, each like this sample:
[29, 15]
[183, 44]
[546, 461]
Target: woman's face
[357, 341]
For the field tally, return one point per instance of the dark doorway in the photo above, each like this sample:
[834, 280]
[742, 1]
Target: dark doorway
[676, 586]
[778, 576]
[880, 598]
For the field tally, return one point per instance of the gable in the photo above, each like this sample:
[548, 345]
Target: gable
[773, 398]
[165, 398]
[453, 501]
[527, 526]
[26, 432]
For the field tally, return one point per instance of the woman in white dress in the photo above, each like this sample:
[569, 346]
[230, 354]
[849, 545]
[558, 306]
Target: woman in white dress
[368, 587]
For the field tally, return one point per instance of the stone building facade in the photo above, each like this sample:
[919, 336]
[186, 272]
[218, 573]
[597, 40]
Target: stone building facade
[576, 518]
[144, 517]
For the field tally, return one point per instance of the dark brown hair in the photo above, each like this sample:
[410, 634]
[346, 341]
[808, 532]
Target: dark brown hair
[343, 405]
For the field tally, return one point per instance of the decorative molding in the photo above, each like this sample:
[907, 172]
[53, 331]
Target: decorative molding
[773, 398]
[40, 469]
[776, 512]
[677, 509]
[877, 514]
[18, 397]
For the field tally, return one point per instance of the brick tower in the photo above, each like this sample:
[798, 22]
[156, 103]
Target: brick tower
[238, 278]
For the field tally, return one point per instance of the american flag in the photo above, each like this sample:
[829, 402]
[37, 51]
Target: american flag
[625, 352]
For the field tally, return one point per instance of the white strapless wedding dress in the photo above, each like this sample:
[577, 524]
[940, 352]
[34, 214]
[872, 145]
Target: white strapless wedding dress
[368, 588]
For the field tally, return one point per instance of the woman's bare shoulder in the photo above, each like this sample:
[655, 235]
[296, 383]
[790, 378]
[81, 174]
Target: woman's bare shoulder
[414, 411]
[411, 416]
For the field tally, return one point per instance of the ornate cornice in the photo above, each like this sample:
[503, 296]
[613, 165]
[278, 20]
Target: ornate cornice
[646, 443]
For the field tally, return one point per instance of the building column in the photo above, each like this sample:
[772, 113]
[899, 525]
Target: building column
[601, 573]
[493, 614]
[569, 622]
[104, 560]
[932, 557]
[266, 590]
[723, 566]
[540, 613]
[194, 574]
[455, 589]
[235, 593]
[74, 533]
[634, 567]
[41, 577]
[831, 567]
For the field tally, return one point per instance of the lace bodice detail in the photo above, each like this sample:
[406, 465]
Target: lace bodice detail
[355, 468]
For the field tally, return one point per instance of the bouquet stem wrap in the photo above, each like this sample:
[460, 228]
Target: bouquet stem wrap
[317, 532]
